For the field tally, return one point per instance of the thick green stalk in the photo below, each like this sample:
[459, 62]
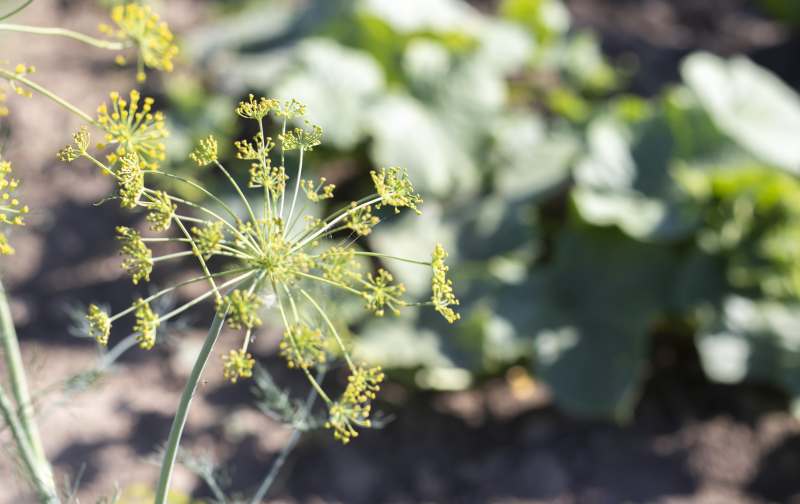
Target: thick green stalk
[179, 422]
[44, 490]
[43, 474]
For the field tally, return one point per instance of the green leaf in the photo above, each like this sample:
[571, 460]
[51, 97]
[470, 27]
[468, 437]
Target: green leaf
[337, 84]
[605, 292]
[750, 104]
[753, 340]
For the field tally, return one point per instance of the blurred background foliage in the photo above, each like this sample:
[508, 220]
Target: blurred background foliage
[581, 218]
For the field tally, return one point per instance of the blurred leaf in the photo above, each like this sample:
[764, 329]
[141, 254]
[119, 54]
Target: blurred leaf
[750, 104]
[406, 134]
[605, 292]
[546, 19]
[625, 180]
[337, 84]
[529, 159]
[756, 340]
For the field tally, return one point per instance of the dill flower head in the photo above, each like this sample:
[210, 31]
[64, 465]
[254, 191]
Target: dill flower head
[139, 26]
[99, 324]
[3, 106]
[138, 260]
[146, 325]
[443, 295]
[131, 127]
[276, 248]
[303, 346]
[237, 364]
[11, 210]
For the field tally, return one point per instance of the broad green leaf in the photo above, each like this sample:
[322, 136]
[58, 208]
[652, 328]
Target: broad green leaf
[605, 293]
[755, 340]
[750, 104]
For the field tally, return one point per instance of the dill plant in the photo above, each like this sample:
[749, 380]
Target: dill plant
[275, 249]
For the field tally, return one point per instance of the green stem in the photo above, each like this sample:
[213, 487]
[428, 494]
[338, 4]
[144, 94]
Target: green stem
[15, 11]
[179, 422]
[332, 328]
[43, 476]
[44, 92]
[396, 258]
[61, 32]
[41, 482]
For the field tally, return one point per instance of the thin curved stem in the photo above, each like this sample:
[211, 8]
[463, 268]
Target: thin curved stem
[332, 328]
[62, 32]
[47, 94]
[17, 10]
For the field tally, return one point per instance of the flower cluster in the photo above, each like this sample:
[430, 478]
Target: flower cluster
[267, 249]
[131, 128]
[11, 210]
[139, 26]
[20, 70]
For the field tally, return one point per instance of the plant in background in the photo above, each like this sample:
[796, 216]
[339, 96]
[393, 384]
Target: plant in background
[276, 248]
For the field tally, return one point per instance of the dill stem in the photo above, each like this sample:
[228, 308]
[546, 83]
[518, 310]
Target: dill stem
[179, 422]
[62, 32]
[182, 413]
[26, 432]
[48, 94]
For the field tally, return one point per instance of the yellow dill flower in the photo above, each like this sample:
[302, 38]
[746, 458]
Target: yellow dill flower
[146, 325]
[395, 189]
[338, 265]
[99, 324]
[11, 209]
[353, 409]
[208, 238]
[238, 364]
[256, 108]
[303, 346]
[242, 307]
[302, 139]
[3, 107]
[381, 294]
[360, 219]
[443, 296]
[161, 211]
[78, 148]
[274, 249]
[206, 151]
[130, 180]
[132, 127]
[140, 26]
[138, 260]
[312, 190]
